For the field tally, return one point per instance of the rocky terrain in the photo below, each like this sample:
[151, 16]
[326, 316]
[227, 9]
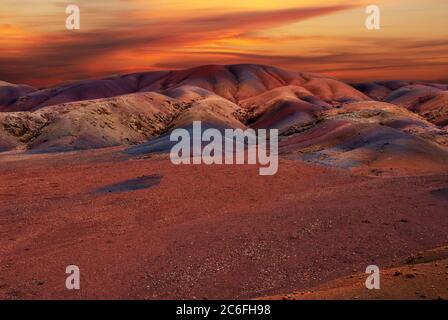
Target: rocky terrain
[86, 180]
[320, 119]
[423, 276]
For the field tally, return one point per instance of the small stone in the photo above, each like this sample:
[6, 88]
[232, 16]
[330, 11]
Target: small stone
[410, 259]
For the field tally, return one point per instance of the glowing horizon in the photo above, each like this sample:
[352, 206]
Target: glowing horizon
[120, 36]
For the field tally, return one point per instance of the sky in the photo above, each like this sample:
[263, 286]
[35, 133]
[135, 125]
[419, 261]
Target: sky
[125, 36]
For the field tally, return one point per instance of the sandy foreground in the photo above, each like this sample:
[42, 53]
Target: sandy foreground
[146, 229]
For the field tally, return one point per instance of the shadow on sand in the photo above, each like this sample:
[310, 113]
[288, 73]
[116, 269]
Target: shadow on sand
[139, 183]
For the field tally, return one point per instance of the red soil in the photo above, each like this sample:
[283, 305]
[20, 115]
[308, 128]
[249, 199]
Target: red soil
[203, 232]
[420, 277]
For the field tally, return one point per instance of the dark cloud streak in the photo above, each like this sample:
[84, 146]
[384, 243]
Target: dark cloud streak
[66, 55]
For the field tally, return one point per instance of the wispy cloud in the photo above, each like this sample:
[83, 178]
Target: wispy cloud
[69, 54]
[123, 39]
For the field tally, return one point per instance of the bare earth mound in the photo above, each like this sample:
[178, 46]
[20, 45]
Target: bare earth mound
[319, 119]
[423, 276]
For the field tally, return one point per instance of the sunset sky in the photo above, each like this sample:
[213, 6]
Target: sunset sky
[123, 36]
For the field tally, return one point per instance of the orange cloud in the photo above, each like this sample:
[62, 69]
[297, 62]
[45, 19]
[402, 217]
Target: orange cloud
[137, 44]
[69, 55]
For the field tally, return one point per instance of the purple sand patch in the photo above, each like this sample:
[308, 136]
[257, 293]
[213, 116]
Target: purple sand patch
[143, 182]
[440, 193]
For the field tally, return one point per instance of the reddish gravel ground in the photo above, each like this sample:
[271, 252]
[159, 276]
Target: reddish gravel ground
[203, 231]
[423, 276]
